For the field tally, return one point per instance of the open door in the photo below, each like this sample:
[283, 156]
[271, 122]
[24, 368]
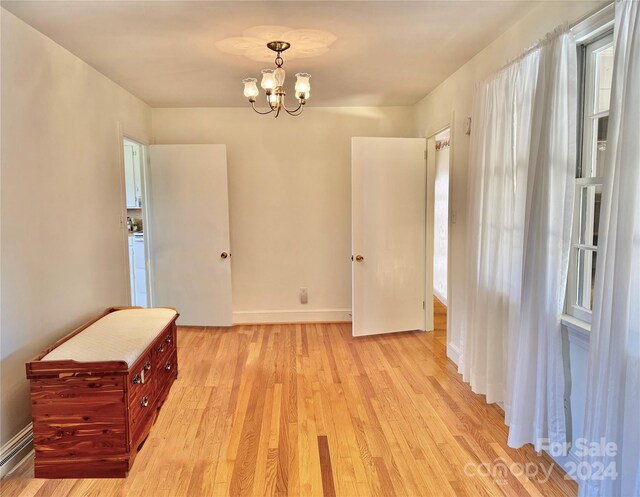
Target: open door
[190, 236]
[388, 183]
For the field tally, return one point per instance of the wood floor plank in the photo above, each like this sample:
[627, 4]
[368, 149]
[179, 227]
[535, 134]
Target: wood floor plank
[328, 487]
[309, 410]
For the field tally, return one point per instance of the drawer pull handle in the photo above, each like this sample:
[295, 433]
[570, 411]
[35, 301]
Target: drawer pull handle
[167, 366]
[145, 401]
[161, 347]
[168, 339]
[137, 379]
[147, 366]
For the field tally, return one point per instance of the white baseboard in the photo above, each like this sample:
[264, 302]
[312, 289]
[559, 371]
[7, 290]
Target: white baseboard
[311, 316]
[15, 450]
[453, 352]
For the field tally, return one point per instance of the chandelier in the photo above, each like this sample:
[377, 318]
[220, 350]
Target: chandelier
[272, 83]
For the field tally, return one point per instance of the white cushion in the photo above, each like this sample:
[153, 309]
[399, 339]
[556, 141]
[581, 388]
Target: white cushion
[119, 336]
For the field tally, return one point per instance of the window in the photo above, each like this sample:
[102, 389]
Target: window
[597, 77]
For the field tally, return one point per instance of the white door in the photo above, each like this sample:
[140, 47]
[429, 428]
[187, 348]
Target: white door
[388, 182]
[190, 237]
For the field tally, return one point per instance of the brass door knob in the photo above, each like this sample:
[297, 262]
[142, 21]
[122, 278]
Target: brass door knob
[359, 258]
[224, 255]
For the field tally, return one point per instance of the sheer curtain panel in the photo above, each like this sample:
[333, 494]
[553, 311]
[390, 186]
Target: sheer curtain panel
[537, 398]
[497, 189]
[521, 186]
[613, 387]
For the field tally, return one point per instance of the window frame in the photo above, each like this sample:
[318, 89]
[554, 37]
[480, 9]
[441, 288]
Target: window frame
[588, 119]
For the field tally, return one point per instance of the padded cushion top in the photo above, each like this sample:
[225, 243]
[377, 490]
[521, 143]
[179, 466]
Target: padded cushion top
[119, 336]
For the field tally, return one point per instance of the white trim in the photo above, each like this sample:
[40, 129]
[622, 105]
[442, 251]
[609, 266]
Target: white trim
[292, 316]
[428, 321]
[594, 25]
[453, 353]
[16, 449]
[578, 331]
[589, 130]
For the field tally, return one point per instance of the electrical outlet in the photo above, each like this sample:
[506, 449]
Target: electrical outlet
[304, 296]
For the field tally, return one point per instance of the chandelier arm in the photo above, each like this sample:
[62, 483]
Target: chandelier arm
[253, 105]
[295, 112]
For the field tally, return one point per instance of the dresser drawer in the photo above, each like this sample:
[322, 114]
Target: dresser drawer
[163, 347]
[141, 374]
[167, 371]
[141, 404]
[168, 367]
[142, 411]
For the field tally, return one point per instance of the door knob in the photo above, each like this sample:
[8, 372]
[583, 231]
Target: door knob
[224, 255]
[359, 258]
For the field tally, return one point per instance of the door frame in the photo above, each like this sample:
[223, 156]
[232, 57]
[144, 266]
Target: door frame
[143, 140]
[429, 135]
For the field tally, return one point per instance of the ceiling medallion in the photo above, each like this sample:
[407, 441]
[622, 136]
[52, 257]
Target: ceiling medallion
[272, 83]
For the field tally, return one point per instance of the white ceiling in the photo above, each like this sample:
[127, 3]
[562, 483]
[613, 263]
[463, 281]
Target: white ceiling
[176, 53]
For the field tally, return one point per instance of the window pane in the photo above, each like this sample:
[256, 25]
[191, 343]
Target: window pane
[596, 145]
[604, 76]
[602, 126]
[590, 196]
[586, 272]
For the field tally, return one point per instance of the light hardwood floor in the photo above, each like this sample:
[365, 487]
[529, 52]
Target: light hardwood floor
[308, 410]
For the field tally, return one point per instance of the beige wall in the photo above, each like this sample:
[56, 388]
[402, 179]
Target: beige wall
[62, 257]
[450, 103]
[289, 198]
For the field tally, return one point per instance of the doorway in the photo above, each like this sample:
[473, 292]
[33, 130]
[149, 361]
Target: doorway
[134, 157]
[438, 188]
[437, 227]
[441, 215]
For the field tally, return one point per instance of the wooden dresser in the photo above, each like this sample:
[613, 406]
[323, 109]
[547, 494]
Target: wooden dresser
[91, 417]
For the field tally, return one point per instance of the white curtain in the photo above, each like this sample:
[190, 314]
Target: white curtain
[522, 165]
[497, 189]
[613, 386]
[536, 362]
